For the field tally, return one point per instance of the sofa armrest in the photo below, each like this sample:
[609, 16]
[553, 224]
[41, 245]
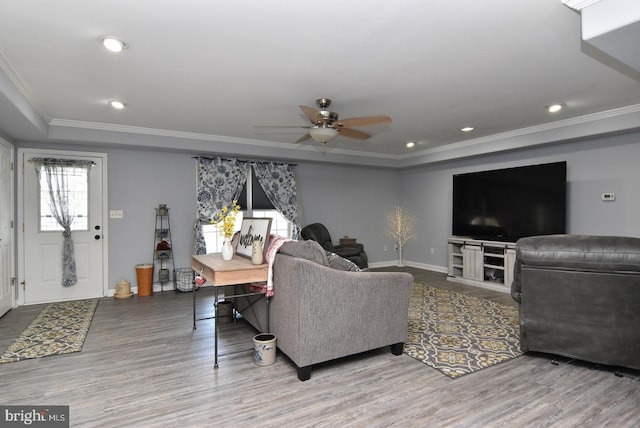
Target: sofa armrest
[319, 313]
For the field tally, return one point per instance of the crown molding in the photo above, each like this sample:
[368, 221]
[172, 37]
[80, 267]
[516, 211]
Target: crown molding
[22, 88]
[578, 5]
[615, 120]
[623, 119]
[63, 130]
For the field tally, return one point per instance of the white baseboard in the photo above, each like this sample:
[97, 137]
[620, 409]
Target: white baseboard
[156, 288]
[391, 263]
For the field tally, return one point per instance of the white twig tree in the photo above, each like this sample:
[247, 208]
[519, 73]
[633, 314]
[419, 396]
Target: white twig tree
[400, 224]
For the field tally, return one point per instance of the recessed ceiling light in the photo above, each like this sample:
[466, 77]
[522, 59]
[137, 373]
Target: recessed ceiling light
[112, 44]
[118, 105]
[467, 129]
[410, 144]
[554, 108]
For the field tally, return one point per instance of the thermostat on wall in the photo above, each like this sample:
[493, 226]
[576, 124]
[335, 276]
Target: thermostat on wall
[608, 196]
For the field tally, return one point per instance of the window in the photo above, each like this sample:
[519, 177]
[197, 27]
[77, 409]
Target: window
[77, 196]
[212, 237]
[254, 203]
[279, 225]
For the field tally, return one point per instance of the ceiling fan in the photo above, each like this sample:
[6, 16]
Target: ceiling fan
[325, 125]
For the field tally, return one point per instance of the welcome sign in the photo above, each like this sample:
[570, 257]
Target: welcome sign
[253, 229]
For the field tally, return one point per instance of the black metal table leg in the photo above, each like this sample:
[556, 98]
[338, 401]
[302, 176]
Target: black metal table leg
[215, 340]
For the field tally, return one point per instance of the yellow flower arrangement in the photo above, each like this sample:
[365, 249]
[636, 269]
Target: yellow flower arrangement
[226, 218]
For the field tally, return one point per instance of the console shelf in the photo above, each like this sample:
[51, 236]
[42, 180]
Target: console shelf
[487, 264]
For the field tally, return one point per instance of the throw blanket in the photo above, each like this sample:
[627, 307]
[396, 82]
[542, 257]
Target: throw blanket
[275, 242]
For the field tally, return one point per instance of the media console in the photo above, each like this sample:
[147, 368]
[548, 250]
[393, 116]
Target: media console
[487, 264]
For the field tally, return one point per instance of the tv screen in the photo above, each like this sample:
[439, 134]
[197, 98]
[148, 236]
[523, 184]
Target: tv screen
[509, 204]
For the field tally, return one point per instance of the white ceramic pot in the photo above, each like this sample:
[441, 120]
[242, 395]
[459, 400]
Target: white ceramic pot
[227, 250]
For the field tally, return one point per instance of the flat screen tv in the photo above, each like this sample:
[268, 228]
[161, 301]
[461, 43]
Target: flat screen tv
[508, 204]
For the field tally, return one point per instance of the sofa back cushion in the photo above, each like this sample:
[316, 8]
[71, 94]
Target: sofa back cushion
[309, 250]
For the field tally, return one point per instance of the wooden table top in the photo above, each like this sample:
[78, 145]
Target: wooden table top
[238, 270]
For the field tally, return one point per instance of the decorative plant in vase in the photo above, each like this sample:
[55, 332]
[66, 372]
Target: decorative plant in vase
[400, 224]
[225, 220]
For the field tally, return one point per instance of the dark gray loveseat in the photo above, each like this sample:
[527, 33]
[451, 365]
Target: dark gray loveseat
[321, 312]
[580, 297]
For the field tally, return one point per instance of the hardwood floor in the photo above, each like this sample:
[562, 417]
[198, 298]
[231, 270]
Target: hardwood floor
[143, 365]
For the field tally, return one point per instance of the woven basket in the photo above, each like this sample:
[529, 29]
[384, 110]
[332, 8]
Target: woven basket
[183, 279]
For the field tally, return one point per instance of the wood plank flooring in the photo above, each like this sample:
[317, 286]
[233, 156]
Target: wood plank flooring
[144, 366]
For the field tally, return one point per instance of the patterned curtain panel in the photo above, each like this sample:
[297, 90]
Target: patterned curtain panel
[279, 183]
[61, 201]
[220, 181]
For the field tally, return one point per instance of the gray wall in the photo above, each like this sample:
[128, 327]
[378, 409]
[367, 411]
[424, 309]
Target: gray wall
[138, 182]
[594, 167]
[355, 201]
[351, 201]
[348, 200]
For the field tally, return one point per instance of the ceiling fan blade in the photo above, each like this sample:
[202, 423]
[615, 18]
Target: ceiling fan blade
[305, 137]
[313, 114]
[353, 133]
[363, 121]
[281, 126]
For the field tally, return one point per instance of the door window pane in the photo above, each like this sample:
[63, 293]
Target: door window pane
[77, 196]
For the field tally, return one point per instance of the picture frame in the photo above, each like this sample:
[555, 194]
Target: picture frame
[253, 228]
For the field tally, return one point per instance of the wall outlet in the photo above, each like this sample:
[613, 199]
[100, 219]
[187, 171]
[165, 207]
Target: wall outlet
[433, 251]
[385, 248]
[116, 214]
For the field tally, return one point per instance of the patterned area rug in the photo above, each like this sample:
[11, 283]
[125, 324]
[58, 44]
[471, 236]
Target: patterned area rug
[458, 334]
[60, 328]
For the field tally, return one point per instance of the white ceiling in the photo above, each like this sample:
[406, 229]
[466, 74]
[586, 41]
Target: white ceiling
[198, 75]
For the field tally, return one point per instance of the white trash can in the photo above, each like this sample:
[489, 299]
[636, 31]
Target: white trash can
[264, 349]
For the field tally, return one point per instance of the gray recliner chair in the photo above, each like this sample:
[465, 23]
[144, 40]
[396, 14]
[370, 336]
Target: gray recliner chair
[579, 297]
[319, 233]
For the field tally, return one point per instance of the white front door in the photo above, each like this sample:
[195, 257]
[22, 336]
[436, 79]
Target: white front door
[42, 252]
[6, 230]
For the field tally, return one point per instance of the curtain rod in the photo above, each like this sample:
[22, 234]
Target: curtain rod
[243, 160]
[61, 161]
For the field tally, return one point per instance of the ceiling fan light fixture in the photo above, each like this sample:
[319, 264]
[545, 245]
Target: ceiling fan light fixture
[112, 44]
[323, 134]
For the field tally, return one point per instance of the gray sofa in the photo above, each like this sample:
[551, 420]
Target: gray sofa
[579, 297]
[323, 308]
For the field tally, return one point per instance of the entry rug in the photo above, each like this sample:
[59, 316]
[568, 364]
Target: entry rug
[60, 328]
[459, 334]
